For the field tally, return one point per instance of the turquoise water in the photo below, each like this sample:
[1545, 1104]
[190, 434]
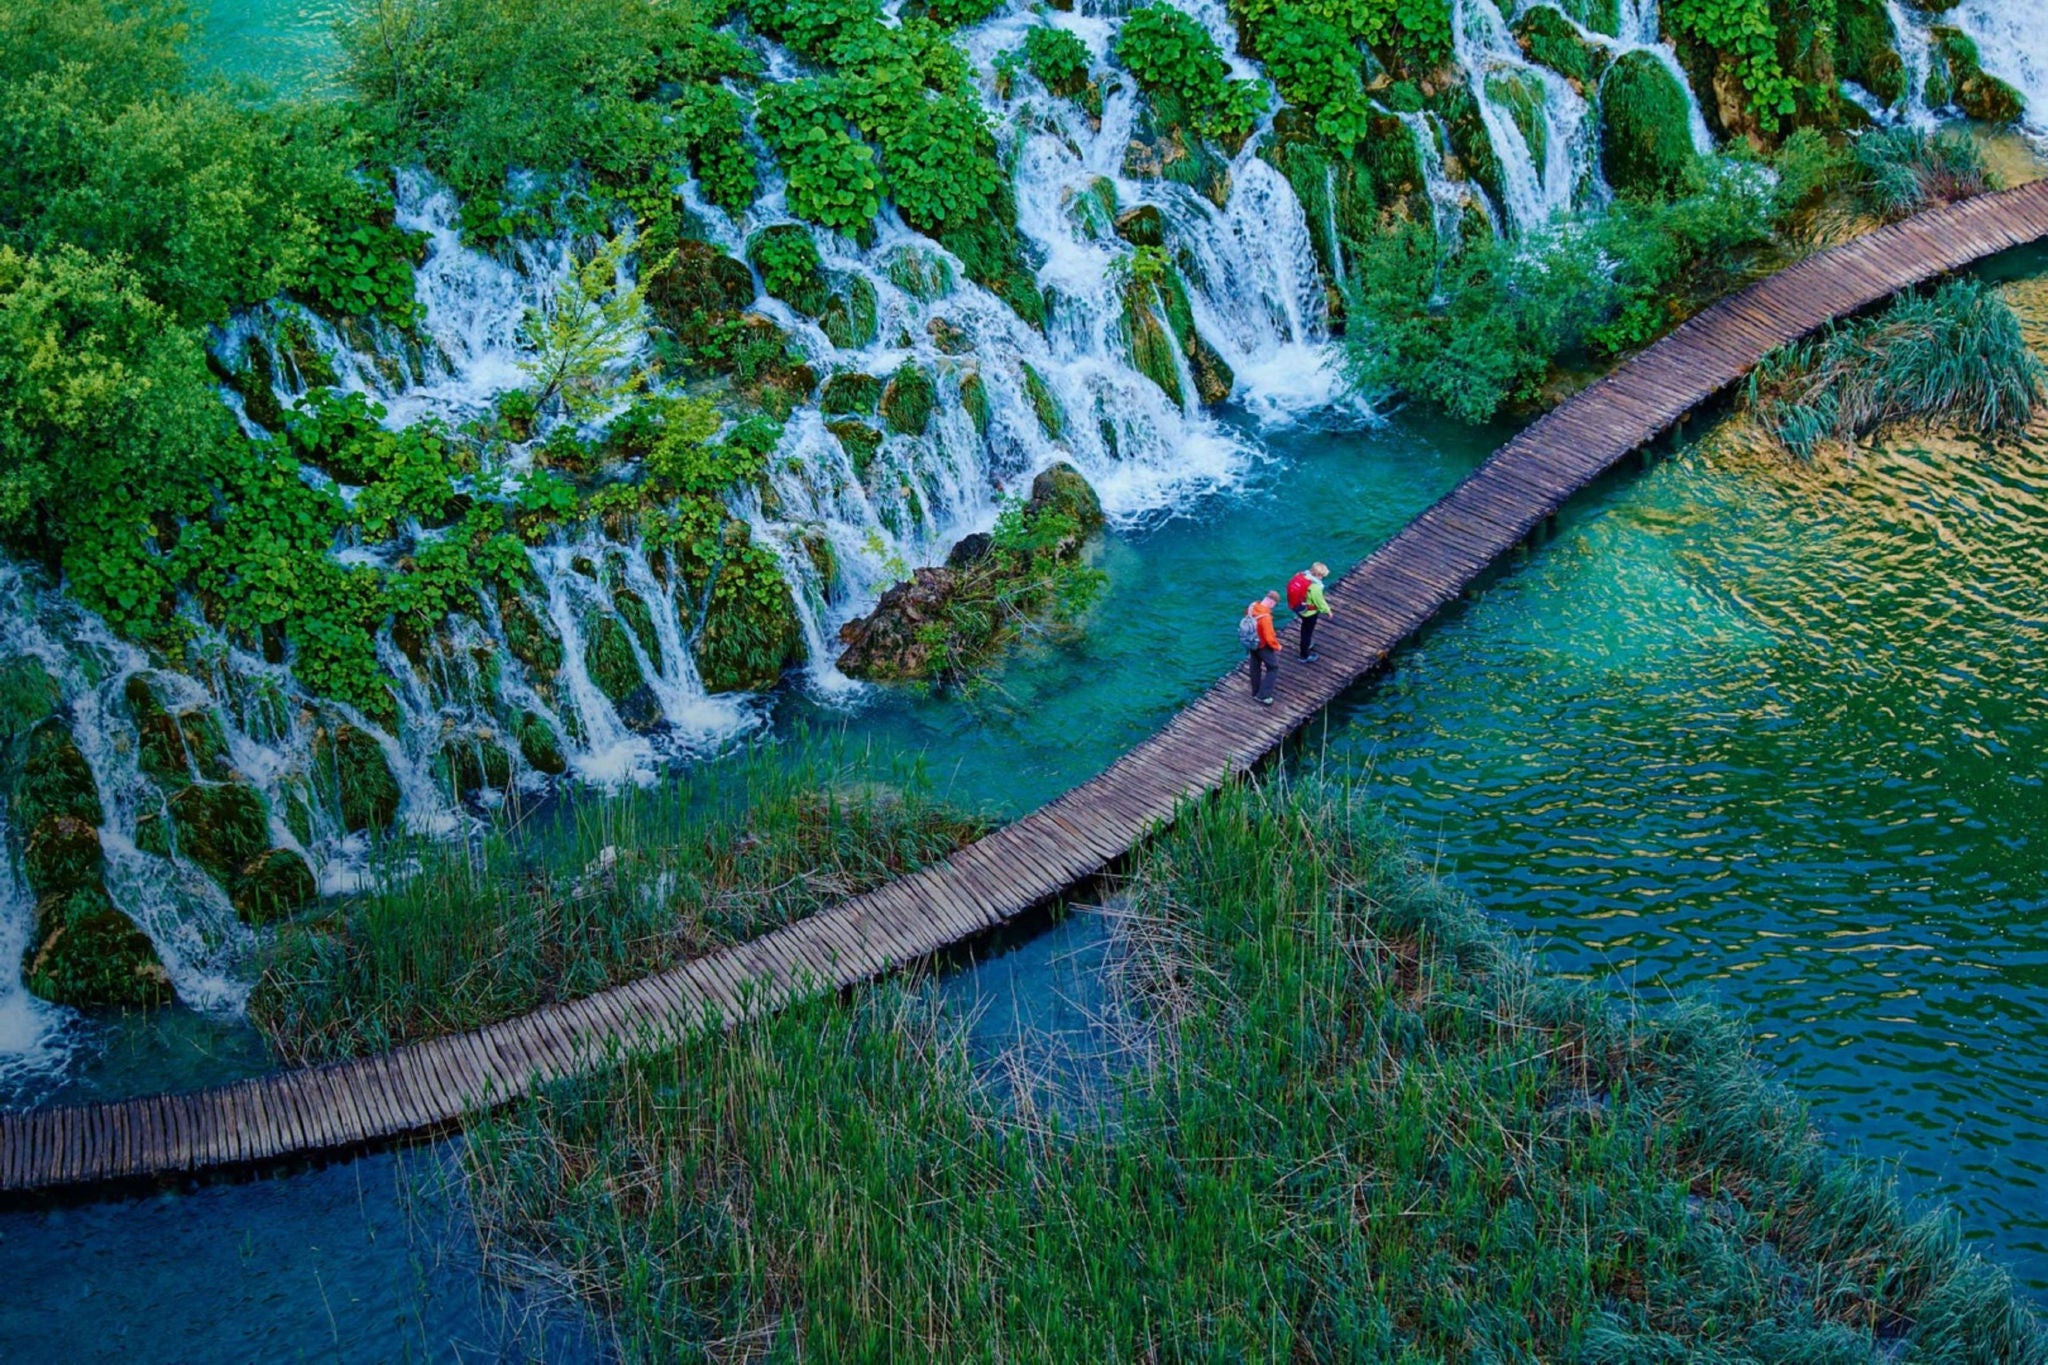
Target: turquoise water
[288, 45]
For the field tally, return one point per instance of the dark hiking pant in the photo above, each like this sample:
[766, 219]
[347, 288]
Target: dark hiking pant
[1308, 632]
[1265, 671]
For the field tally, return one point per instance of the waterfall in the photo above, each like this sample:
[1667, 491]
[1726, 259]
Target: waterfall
[1536, 184]
[2012, 41]
[1448, 198]
[31, 1030]
[1640, 32]
[1915, 56]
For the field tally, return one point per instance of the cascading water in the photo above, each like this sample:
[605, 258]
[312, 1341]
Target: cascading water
[1448, 198]
[31, 1030]
[2012, 41]
[1538, 183]
[1915, 57]
[1640, 31]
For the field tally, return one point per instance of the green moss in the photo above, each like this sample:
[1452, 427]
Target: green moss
[219, 826]
[54, 779]
[1149, 344]
[850, 392]
[849, 317]
[751, 633]
[28, 696]
[701, 285]
[1548, 37]
[1975, 91]
[906, 403]
[1866, 49]
[861, 443]
[475, 765]
[1471, 144]
[609, 658]
[538, 745]
[273, 885]
[1523, 99]
[61, 855]
[1093, 208]
[1142, 226]
[1602, 16]
[633, 610]
[87, 954]
[1052, 417]
[352, 777]
[1646, 131]
[174, 748]
[532, 641]
[974, 398]
[924, 275]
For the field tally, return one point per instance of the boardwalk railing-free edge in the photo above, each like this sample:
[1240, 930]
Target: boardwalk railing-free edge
[430, 1085]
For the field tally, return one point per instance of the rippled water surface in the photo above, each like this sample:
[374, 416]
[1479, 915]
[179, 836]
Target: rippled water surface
[1780, 733]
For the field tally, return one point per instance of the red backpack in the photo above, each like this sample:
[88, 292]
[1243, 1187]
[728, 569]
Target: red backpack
[1297, 591]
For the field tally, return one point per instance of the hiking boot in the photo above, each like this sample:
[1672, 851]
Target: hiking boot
[1310, 658]
[1265, 701]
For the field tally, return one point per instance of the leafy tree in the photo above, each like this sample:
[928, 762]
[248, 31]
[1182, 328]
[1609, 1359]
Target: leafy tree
[581, 341]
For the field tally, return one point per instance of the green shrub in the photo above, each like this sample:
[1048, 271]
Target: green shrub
[790, 270]
[1057, 59]
[1172, 55]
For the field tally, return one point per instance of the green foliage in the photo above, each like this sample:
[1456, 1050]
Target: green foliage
[685, 459]
[1342, 1118]
[633, 884]
[1751, 37]
[1903, 170]
[362, 264]
[788, 261]
[445, 574]
[1172, 55]
[582, 341]
[833, 178]
[955, 13]
[1410, 36]
[106, 145]
[411, 474]
[1957, 355]
[1058, 59]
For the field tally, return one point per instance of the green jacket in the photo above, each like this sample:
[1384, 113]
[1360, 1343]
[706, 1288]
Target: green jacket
[1315, 602]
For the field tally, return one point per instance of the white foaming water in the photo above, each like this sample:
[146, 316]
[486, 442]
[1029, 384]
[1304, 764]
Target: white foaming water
[1915, 55]
[2012, 40]
[1534, 192]
[1448, 198]
[32, 1036]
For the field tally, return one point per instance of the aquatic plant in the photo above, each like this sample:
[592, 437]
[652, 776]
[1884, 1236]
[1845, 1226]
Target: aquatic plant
[621, 886]
[1353, 1122]
[1956, 355]
[1906, 169]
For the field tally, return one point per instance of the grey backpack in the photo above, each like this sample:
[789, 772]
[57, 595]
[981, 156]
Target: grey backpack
[1248, 631]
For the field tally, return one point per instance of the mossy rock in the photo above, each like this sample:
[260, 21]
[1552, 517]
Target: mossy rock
[1646, 131]
[476, 765]
[751, 632]
[1150, 346]
[850, 392]
[1214, 379]
[1063, 490]
[632, 608]
[1142, 226]
[1092, 208]
[1549, 38]
[907, 400]
[849, 318]
[700, 284]
[1601, 16]
[950, 339]
[220, 826]
[350, 770]
[174, 747]
[61, 855]
[537, 743]
[924, 275]
[28, 696]
[1052, 415]
[531, 639]
[1866, 49]
[299, 347]
[1973, 90]
[861, 443]
[1527, 105]
[824, 559]
[991, 252]
[276, 884]
[608, 656]
[54, 779]
[87, 954]
[1471, 143]
[787, 259]
[974, 398]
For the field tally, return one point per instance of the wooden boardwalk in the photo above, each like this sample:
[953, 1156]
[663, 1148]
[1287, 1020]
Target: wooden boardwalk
[430, 1085]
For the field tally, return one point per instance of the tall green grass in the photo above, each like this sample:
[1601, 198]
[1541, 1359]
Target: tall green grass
[1958, 355]
[1903, 170]
[1366, 1130]
[458, 936]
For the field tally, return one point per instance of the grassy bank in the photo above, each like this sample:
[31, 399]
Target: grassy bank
[461, 936]
[1366, 1128]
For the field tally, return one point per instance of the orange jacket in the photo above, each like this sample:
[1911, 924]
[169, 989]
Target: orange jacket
[1262, 612]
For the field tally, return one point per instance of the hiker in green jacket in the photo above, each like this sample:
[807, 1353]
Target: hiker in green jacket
[1305, 599]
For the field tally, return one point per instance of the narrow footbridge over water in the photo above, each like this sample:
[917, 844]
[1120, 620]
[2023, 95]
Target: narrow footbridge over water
[1382, 602]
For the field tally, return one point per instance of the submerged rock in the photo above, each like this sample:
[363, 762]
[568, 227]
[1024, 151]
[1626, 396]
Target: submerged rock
[88, 954]
[273, 885]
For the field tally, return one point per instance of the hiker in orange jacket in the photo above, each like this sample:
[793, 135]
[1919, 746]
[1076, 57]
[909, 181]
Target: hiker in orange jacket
[1262, 646]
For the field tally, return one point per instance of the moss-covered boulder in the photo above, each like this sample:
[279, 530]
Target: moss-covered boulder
[219, 826]
[1974, 90]
[530, 638]
[949, 338]
[88, 954]
[922, 274]
[860, 441]
[276, 884]
[1149, 345]
[894, 642]
[699, 285]
[174, 747]
[974, 398]
[61, 855]
[634, 611]
[1062, 490]
[54, 779]
[1646, 130]
[1142, 226]
[849, 317]
[609, 659]
[477, 764]
[538, 745]
[28, 696]
[351, 774]
[1867, 49]
[907, 399]
[849, 393]
[1549, 38]
[750, 633]
[1471, 144]
[787, 258]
